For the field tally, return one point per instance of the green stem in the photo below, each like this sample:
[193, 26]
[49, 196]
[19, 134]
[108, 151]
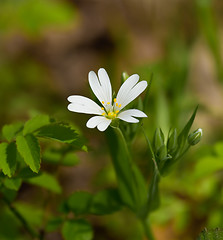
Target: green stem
[123, 140]
[23, 221]
[151, 150]
[147, 229]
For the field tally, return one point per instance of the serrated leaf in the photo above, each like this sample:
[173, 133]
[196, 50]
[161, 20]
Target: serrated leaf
[58, 131]
[47, 181]
[10, 131]
[13, 183]
[27, 173]
[8, 156]
[79, 202]
[106, 202]
[35, 123]
[77, 230]
[28, 147]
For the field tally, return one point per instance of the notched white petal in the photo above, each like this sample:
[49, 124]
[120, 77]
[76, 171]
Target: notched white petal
[106, 84]
[104, 125]
[94, 121]
[96, 86]
[128, 119]
[126, 87]
[82, 104]
[133, 113]
[134, 93]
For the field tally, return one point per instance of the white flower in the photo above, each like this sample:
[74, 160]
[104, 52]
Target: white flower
[110, 110]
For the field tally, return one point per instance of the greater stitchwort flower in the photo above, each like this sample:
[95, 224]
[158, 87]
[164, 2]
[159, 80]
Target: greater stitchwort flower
[109, 109]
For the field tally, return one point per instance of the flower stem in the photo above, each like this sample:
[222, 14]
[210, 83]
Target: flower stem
[23, 221]
[123, 140]
[147, 229]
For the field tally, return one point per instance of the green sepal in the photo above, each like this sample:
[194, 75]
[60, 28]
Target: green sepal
[158, 139]
[172, 141]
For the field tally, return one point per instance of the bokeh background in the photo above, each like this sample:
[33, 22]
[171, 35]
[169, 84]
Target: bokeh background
[47, 48]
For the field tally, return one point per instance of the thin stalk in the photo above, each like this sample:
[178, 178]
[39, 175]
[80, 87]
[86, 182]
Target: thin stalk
[147, 229]
[23, 221]
[151, 150]
[123, 140]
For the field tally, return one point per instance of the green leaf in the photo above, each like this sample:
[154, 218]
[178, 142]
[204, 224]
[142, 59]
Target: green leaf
[13, 183]
[33, 17]
[28, 147]
[9, 194]
[58, 131]
[79, 202]
[207, 166]
[26, 173]
[53, 224]
[70, 159]
[32, 214]
[106, 202]
[211, 234]
[218, 147]
[10, 131]
[182, 138]
[8, 156]
[129, 179]
[77, 230]
[46, 181]
[35, 123]
[153, 198]
[55, 156]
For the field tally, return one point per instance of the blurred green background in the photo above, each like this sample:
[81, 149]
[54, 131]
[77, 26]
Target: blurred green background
[47, 48]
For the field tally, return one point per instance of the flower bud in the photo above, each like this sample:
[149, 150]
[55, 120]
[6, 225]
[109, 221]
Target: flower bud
[125, 76]
[172, 141]
[158, 139]
[162, 153]
[195, 137]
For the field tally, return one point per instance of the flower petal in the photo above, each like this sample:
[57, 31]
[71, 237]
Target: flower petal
[96, 86]
[133, 113]
[133, 93]
[82, 104]
[129, 115]
[94, 121]
[106, 84]
[128, 118]
[102, 126]
[126, 87]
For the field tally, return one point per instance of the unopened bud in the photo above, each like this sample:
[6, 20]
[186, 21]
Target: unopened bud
[125, 76]
[162, 153]
[195, 137]
[172, 141]
[158, 139]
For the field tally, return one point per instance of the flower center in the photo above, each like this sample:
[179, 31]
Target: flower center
[110, 112]
[111, 115]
